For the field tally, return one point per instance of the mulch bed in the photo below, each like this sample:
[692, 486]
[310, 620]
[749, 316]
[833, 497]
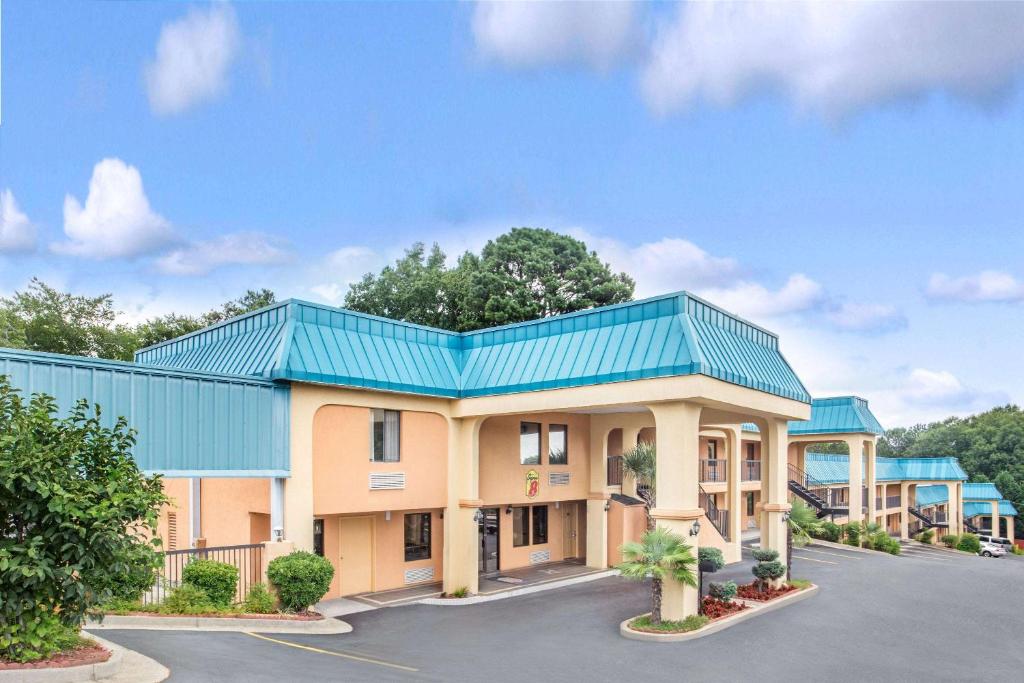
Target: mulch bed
[749, 592]
[80, 656]
[309, 616]
[716, 609]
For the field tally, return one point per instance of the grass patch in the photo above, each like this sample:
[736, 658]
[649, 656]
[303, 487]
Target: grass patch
[690, 623]
[799, 583]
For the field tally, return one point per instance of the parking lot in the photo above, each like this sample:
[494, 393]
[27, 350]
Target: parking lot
[928, 615]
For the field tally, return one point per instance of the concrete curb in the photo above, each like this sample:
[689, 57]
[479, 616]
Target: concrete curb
[843, 546]
[525, 590]
[755, 609]
[111, 670]
[939, 546]
[325, 626]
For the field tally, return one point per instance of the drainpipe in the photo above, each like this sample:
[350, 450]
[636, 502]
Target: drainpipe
[277, 509]
[195, 497]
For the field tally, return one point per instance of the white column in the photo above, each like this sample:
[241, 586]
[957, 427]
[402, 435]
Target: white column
[774, 455]
[630, 435]
[734, 486]
[461, 552]
[904, 515]
[856, 445]
[678, 459]
[597, 516]
[995, 518]
[869, 476]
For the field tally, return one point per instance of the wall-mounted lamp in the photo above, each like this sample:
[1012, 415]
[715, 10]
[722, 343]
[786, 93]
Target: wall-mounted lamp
[387, 515]
[508, 510]
[278, 534]
[442, 514]
[478, 516]
[607, 505]
[785, 516]
[695, 529]
[556, 504]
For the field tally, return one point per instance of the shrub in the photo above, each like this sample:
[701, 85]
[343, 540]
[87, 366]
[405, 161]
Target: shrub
[830, 531]
[1017, 550]
[852, 533]
[260, 600]
[766, 571]
[969, 543]
[711, 559]
[460, 592]
[217, 579]
[188, 599]
[950, 540]
[129, 578]
[926, 536]
[301, 578]
[765, 554]
[722, 591]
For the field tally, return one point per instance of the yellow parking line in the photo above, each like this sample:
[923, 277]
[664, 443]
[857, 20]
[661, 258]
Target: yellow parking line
[358, 658]
[812, 559]
[823, 552]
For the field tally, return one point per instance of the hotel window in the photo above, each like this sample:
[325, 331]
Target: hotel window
[417, 536]
[540, 524]
[712, 450]
[385, 435]
[520, 526]
[558, 444]
[750, 451]
[529, 443]
[318, 537]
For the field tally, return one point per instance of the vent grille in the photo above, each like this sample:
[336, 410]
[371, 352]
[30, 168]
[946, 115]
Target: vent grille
[558, 478]
[172, 531]
[387, 481]
[540, 556]
[419, 575]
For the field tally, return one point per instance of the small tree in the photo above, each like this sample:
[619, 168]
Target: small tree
[803, 523]
[659, 554]
[74, 508]
[768, 568]
[640, 462]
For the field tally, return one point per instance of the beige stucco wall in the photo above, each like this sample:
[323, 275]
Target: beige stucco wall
[342, 465]
[503, 478]
[226, 508]
[512, 557]
[177, 490]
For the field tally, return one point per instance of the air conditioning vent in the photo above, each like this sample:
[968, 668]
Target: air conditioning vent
[419, 575]
[558, 478]
[387, 481]
[540, 556]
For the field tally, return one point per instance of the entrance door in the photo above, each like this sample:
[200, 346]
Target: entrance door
[570, 530]
[489, 530]
[355, 564]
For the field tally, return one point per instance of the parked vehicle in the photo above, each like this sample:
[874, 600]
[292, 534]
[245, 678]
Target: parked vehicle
[998, 540]
[989, 549]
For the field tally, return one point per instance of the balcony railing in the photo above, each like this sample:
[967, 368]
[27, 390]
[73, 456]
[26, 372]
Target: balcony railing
[878, 502]
[614, 470]
[751, 470]
[712, 470]
[939, 516]
[893, 501]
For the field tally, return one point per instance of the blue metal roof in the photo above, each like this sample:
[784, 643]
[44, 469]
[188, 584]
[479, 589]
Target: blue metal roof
[981, 491]
[838, 415]
[675, 334]
[931, 495]
[835, 469]
[189, 423]
[973, 508]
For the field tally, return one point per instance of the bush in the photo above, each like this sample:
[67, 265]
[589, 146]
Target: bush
[461, 592]
[852, 533]
[950, 540]
[769, 570]
[129, 578]
[710, 559]
[259, 600]
[188, 599]
[217, 579]
[969, 543]
[722, 591]
[926, 536]
[765, 554]
[301, 579]
[830, 531]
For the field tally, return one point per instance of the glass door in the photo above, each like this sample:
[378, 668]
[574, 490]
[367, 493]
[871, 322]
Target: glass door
[489, 531]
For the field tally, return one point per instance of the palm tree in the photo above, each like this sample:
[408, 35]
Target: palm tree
[660, 553]
[640, 462]
[803, 522]
[867, 530]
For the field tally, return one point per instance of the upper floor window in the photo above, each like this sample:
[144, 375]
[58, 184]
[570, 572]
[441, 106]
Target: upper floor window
[529, 443]
[385, 435]
[558, 444]
[712, 450]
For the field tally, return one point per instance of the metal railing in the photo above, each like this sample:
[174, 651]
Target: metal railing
[712, 471]
[247, 558]
[751, 470]
[812, 485]
[614, 470]
[939, 516]
[878, 502]
[893, 501]
[719, 518]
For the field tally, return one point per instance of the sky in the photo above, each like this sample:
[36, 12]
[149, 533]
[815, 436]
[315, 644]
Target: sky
[850, 176]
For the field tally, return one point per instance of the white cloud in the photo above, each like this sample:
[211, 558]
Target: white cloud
[116, 221]
[866, 317]
[16, 231]
[988, 285]
[193, 57]
[530, 34]
[916, 395]
[341, 268]
[243, 248]
[834, 57]
[755, 301]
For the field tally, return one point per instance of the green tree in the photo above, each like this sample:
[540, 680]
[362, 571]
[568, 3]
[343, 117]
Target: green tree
[659, 554]
[525, 274]
[640, 462]
[73, 507]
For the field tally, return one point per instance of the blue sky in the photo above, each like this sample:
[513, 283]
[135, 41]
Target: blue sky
[849, 176]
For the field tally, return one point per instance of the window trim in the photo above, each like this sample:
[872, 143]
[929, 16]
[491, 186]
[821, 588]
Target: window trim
[429, 526]
[522, 423]
[565, 439]
[373, 423]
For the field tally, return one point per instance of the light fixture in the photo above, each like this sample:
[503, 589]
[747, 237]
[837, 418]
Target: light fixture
[278, 534]
[607, 505]
[695, 529]
[556, 504]
[785, 516]
[508, 510]
[387, 515]
[478, 516]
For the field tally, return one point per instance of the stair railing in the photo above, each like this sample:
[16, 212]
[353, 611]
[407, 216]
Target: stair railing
[719, 518]
[817, 488]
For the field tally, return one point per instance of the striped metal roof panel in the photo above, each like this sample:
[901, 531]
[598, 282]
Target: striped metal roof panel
[189, 423]
[981, 491]
[973, 508]
[838, 415]
[675, 334]
[931, 495]
[834, 469]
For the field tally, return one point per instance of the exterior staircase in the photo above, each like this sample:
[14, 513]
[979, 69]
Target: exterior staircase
[719, 518]
[970, 527]
[926, 521]
[814, 493]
